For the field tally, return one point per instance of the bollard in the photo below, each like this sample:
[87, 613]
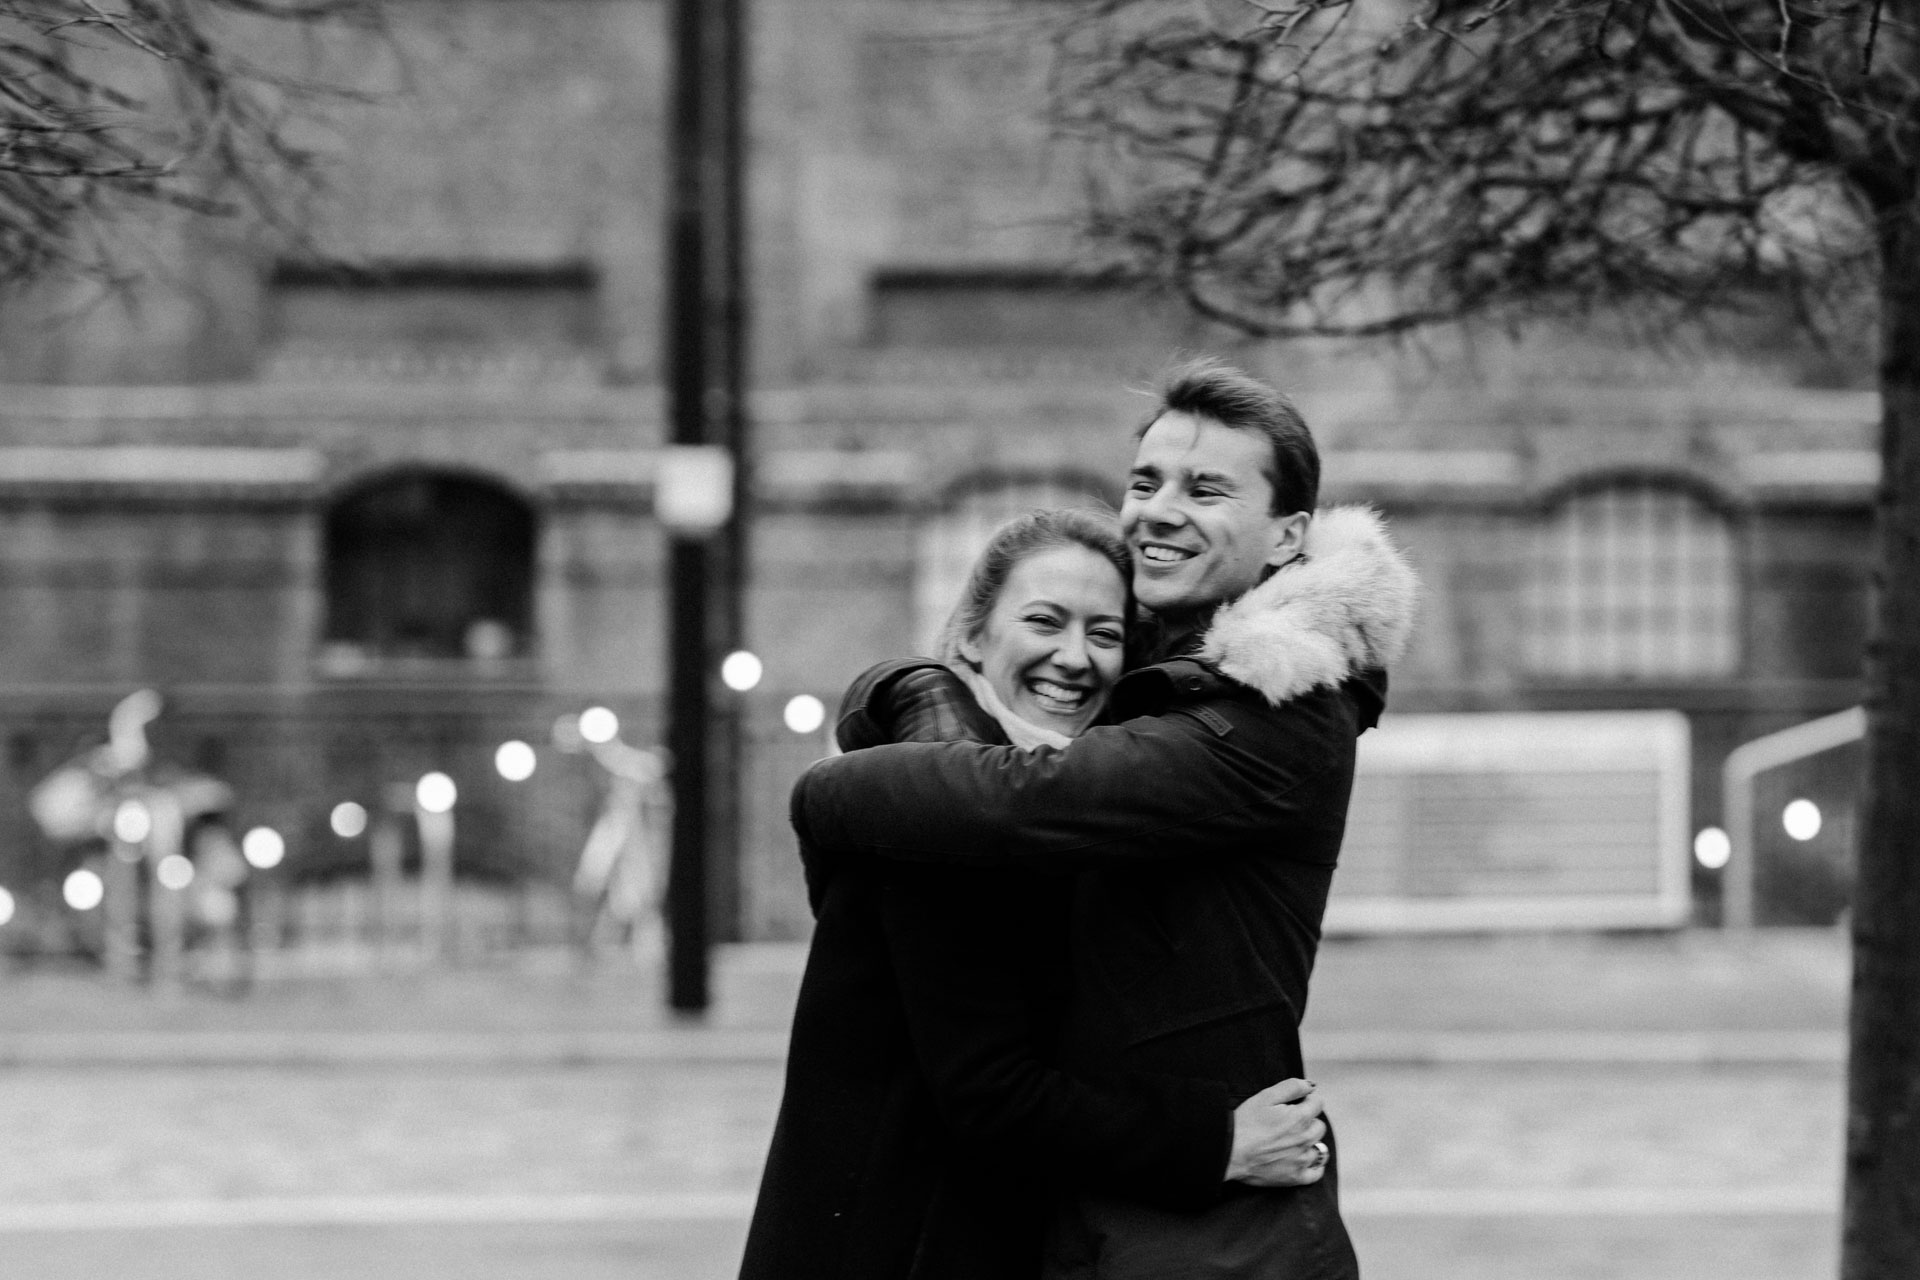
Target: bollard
[385, 849]
[120, 910]
[167, 906]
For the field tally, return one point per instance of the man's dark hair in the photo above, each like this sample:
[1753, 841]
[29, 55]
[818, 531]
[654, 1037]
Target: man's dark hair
[1207, 388]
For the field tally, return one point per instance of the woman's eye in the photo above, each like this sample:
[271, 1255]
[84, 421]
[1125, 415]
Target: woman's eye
[1106, 639]
[1043, 621]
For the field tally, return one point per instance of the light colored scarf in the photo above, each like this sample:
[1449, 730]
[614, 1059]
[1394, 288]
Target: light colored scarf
[1024, 734]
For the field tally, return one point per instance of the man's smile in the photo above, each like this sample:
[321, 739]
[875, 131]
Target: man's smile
[1164, 553]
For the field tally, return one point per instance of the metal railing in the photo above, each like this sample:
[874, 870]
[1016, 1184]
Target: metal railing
[1746, 762]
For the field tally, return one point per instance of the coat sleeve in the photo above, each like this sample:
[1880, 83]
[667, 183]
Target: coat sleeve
[1157, 787]
[913, 700]
[968, 992]
[905, 700]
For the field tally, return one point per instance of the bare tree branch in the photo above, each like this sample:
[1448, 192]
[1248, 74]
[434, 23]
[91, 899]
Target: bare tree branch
[1332, 167]
[107, 107]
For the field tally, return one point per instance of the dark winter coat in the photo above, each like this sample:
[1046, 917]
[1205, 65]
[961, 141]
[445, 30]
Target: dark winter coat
[921, 1131]
[1207, 823]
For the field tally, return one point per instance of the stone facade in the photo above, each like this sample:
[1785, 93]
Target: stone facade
[168, 473]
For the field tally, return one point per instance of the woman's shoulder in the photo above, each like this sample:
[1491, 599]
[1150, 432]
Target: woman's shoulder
[882, 679]
[911, 700]
[880, 673]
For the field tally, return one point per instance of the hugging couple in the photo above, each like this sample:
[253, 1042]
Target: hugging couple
[1068, 880]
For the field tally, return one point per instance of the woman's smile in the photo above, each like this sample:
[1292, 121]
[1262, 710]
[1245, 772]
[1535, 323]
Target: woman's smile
[1064, 699]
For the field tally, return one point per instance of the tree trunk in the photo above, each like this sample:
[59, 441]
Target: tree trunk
[1881, 1225]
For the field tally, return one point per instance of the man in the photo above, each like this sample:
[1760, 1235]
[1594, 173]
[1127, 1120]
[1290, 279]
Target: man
[1205, 820]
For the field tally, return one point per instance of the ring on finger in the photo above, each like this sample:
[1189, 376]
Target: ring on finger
[1319, 1156]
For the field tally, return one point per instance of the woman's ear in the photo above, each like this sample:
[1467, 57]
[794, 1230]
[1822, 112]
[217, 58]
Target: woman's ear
[969, 651]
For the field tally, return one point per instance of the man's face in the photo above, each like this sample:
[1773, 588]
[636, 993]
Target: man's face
[1198, 514]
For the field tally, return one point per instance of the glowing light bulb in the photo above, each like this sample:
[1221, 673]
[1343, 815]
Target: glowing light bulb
[132, 823]
[741, 671]
[1712, 848]
[598, 725]
[83, 889]
[805, 713]
[1801, 818]
[515, 761]
[435, 793]
[174, 872]
[348, 819]
[263, 847]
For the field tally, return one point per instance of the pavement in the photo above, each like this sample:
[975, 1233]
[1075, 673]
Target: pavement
[1688, 997]
[1612, 1107]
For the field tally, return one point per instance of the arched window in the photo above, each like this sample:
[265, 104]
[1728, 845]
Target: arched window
[951, 541]
[1634, 581]
[428, 565]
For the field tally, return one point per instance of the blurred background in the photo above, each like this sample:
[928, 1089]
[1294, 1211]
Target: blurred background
[343, 598]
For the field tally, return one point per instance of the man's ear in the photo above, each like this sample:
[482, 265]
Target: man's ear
[1290, 538]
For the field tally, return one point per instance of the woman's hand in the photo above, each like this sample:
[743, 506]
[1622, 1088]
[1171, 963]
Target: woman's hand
[1277, 1137]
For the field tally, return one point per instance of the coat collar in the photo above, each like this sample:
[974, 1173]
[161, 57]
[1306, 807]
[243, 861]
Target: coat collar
[1343, 608]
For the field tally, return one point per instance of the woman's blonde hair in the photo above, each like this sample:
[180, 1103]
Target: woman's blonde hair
[1095, 528]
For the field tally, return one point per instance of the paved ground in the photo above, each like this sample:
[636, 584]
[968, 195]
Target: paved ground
[1791, 980]
[1592, 1108]
[648, 1170]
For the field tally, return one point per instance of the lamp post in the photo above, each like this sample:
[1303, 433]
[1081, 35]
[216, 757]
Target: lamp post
[705, 381]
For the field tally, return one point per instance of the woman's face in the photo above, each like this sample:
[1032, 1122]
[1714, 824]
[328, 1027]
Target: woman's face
[1052, 645]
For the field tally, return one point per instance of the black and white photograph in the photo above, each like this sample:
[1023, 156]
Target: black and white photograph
[960, 639]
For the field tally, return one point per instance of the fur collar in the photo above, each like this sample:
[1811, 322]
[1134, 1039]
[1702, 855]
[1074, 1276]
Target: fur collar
[1343, 607]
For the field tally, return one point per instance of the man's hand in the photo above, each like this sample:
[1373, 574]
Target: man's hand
[1275, 1133]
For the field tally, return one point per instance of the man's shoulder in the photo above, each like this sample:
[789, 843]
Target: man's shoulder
[1175, 683]
[1194, 689]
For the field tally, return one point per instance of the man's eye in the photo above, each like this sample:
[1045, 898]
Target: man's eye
[1140, 486]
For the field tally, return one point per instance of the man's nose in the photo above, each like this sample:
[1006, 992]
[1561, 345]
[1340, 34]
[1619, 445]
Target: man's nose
[1161, 507]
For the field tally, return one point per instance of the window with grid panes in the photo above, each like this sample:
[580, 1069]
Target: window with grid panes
[1633, 581]
[951, 541]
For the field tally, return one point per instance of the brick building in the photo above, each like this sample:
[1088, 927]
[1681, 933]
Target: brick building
[360, 527]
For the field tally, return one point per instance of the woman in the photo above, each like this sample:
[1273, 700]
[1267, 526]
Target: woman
[921, 1127]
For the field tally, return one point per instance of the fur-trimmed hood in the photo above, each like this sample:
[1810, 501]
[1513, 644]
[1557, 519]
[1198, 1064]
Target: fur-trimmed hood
[1344, 606]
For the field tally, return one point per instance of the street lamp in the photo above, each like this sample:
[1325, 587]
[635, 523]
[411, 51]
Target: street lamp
[706, 454]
